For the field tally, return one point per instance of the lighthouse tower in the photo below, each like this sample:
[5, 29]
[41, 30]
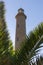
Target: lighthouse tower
[20, 28]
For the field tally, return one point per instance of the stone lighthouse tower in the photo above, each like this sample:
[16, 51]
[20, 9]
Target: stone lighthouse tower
[20, 28]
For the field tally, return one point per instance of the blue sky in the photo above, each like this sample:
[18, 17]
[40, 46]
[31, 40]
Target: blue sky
[33, 10]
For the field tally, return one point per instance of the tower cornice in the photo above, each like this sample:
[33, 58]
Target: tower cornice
[21, 12]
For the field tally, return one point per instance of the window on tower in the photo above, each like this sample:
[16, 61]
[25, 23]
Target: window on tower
[18, 25]
[17, 39]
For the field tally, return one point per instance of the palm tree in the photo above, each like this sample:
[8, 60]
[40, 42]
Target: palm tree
[30, 47]
[39, 61]
[6, 48]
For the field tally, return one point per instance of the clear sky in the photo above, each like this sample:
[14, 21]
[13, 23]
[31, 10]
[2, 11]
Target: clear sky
[33, 10]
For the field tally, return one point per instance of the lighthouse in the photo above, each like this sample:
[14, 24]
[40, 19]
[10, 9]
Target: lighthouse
[20, 28]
